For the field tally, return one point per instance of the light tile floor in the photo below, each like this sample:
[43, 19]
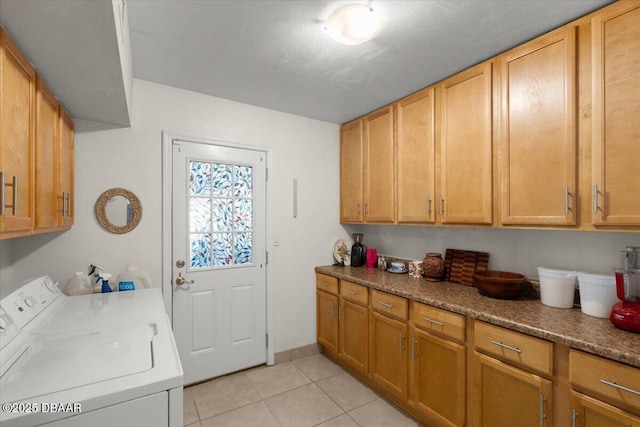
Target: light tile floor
[312, 391]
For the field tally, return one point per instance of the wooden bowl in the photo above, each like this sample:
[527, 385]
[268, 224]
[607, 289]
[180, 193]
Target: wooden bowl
[499, 284]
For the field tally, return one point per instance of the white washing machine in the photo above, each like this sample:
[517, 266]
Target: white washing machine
[94, 360]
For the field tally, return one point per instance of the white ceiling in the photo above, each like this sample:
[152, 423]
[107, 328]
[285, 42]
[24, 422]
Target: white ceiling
[274, 54]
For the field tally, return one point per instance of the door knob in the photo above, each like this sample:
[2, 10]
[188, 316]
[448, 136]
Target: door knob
[180, 280]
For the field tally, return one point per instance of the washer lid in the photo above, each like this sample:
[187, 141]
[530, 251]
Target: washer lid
[105, 309]
[57, 362]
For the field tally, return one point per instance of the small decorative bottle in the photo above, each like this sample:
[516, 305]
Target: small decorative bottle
[433, 266]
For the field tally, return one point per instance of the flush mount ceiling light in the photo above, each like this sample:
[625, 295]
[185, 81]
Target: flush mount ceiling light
[353, 24]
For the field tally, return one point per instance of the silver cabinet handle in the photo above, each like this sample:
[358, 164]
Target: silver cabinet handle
[181, 281]
[595, 198]
[620, 387]
[2, 194]
[441, 205]
[64, 204]
[401, 342]
[415, 348]
[3, 185]
[68, 204]
[14, 207]
[574, 416]
[428, 319]
[384, 304]
[340, 311]
[429, 206]
[332, 308]
[508, 347]
[350, 292]
[566, 200]
[542, 414]
[358, 207]
[366, 208]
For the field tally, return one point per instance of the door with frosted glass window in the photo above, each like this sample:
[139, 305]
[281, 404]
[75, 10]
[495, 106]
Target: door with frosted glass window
[219, 251]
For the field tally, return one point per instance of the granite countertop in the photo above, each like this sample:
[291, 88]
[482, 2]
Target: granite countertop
[565, 326]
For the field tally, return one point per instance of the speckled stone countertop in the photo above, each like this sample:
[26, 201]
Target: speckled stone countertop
[566, 326]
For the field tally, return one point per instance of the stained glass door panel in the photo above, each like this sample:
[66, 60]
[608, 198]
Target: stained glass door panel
[221, 209]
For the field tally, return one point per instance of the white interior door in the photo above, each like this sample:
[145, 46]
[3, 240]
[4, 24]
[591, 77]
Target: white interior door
[219, 250]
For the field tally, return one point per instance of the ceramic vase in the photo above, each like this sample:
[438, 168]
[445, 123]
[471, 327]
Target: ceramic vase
[433, 266]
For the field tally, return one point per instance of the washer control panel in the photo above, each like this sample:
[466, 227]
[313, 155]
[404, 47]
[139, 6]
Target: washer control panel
[29, 300]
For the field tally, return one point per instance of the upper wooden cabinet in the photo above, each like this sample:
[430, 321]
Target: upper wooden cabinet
[616, 109]
[65, 170]
[367, 169]
[46, 156]
[538, 174]
[415, 130]
[466, 147]
[351, 172]
[379, 184]
[544, 135]
[36, 150]
[17, 138]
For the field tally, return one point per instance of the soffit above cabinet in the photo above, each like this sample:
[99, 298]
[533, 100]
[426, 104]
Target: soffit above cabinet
[81, 50]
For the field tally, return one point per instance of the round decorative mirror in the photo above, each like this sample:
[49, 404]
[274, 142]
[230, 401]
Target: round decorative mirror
[118, 210]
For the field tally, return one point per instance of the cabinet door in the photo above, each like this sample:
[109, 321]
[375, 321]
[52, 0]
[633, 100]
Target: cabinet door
[616, 109]
[351, 172]
[439, 378]
[379, 190]
[65, 170]
[354, 335]
[589, 412]
[416, 158]
[466, 147]
[46, 145]
[389, 354]
[17, 138]
[507, 396]
[538, 131]
[327, 320]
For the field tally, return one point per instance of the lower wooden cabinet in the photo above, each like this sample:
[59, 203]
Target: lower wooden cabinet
[589, 412]
[611, 391]
[327, 320]
[508, 396]
[448, 370]
[438, 378]
[354, 335]
[388, 349]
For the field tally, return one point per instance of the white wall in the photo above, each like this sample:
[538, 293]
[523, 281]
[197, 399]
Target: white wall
[520, 251]
[131, 158]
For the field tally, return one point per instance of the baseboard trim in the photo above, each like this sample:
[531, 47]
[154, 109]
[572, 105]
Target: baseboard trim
[296, 353]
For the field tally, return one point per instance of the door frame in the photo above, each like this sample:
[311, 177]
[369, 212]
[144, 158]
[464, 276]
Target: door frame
[167, 220]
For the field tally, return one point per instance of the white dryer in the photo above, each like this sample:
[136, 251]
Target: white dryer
[98, 360]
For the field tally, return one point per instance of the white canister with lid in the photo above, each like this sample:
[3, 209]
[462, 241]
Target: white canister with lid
[79, 284]
[597, 293]
[557, 287]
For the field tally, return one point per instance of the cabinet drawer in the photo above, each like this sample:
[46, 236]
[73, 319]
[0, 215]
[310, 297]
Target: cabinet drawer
[327, 283]
[390, 304]
[528, 351]
[618, 382]
[355, 293]
[437, 320]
